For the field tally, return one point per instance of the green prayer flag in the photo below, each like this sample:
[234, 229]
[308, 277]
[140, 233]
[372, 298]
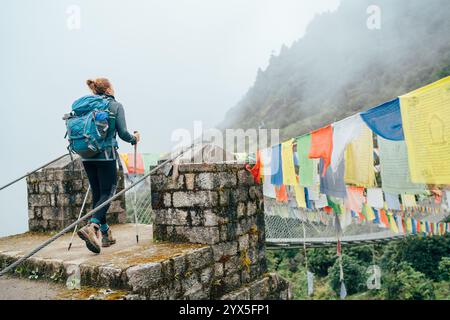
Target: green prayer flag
[394, 168]
[149, 159]
[306, 165]
[334, 204]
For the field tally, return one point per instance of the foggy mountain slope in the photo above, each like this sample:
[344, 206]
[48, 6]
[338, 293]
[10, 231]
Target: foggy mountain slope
[341, 67]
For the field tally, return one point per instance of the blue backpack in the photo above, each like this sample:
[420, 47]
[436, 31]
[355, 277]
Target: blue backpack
[90, 126]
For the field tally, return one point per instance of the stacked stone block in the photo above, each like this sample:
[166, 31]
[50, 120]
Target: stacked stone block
[219, 205]
[187, 276]
[56, 194]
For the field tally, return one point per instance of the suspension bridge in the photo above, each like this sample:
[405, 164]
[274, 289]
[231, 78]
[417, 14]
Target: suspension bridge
[286, 224]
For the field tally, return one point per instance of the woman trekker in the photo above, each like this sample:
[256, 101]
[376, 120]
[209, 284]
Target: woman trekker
[101, 169]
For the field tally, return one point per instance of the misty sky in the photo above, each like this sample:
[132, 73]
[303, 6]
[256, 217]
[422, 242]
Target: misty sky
[171, 63]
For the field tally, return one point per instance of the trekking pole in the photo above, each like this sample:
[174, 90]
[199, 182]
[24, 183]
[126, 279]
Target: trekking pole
[135, 192]
[88, 215]
[79, 216]
[27, 174]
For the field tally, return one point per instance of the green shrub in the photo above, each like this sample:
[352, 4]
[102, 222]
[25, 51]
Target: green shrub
[442, 290]
[423, 254]
[320, 260]
[284, 258]
[444, 269]
[364, 254]
[405, 283]
[354, 275]
[299, 282]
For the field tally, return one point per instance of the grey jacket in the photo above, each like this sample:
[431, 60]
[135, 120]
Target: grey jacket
[120, 128]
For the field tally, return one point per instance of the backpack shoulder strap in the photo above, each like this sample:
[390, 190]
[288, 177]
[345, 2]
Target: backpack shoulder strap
[112, 116]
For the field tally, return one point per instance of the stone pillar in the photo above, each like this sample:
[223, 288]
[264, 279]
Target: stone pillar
[56, 193]
[219, 205]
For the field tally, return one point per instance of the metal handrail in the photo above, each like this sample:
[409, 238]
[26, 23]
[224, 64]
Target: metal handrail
[88, 215]
[27, 174]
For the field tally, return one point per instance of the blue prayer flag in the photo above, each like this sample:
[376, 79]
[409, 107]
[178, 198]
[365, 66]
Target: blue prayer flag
[386, 120]
[276, 166]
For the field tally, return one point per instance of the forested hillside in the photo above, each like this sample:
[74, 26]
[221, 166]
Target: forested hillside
[341, 67]
[415, 268]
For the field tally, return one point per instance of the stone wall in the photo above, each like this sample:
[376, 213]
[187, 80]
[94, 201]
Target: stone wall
[219, 205]
[187, 276]
[214, 210]
[270, 287]
[56, 193]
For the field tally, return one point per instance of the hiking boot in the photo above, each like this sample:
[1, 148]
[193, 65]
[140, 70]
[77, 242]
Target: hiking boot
[90, 236]
[107, 239]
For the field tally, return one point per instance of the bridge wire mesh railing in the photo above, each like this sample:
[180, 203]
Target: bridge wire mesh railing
[286, 224]
[138, 200]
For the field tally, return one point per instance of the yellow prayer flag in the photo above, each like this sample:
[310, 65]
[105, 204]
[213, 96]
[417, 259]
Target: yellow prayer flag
[409, 225]
[426, 118]
[359, 163]
[124, 157]
[287, 158]
[369, 212]
[392, 223]
[300, 196]
[409, 201]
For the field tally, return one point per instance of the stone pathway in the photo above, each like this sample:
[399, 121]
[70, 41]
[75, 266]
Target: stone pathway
[12, 288]
[124, 267]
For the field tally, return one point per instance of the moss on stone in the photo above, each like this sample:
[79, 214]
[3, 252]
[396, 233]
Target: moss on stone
[245, 260]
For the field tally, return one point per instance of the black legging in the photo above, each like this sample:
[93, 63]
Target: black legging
[102, 177]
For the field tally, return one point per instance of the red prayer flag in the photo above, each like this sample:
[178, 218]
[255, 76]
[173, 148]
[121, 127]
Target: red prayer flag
[383, 218]
[139, 164]
[322, 146]
[361, 217]
[256, 170]
[281, 193]
[328, 209]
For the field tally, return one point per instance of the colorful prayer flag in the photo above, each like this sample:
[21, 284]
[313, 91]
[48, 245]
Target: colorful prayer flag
[322, 146]
[287, 156]
[370, 215]
[392, 201]
[276, 167]
[394, 168]
[392, 222]
[281, 193]
[332, 184]
[409, 201]
[384, 218]
[306, 165]
[409, 227]
[300, 196]
[425, 114]
[255, 171]
[344, 132]
[375, 198]
[385, 120]
[268, 187]
[355, 199]
[335, 204]
[132, 168]
[359, 163]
